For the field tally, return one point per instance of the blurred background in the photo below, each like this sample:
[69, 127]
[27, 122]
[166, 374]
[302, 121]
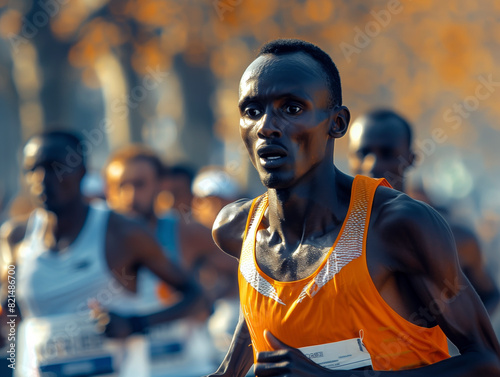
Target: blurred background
[166, 73]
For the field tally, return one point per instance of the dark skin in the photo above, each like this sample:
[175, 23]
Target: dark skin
[379, 148]
[129, 246]
[289, 131]
[473, 264]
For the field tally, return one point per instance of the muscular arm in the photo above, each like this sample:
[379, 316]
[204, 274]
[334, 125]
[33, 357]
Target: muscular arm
[239, 357]
[229, 227]
[131, 247]
[430, 263]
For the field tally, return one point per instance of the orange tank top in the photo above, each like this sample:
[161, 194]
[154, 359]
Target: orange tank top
[338, 301]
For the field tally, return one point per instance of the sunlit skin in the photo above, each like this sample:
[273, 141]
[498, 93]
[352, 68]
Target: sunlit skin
[289, 132]
[288, 129]
[288, 119]
[380, 149]
[131, 188]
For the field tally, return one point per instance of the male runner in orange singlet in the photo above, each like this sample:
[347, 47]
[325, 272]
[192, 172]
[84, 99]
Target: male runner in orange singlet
[328, 258]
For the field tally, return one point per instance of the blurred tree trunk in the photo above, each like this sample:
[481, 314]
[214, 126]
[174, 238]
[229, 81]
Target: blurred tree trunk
[136, 104]
[53, 65]
[10, 130]
[198, 88]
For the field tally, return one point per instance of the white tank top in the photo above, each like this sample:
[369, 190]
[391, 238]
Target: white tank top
[62, 282]
[56, 336]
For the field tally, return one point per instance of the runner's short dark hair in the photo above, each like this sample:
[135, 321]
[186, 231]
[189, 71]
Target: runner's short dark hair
[289, 46]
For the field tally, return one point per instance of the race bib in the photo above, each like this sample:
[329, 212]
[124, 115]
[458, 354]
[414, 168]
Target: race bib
[167, 341]
[179, 349]
[344, 355]
[67, 346]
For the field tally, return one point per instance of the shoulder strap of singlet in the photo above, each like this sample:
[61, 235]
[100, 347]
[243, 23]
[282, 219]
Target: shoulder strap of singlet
[247, 265]
[350, 241]
[364, 191]
[36, 224]
[253, 212]
[35, 228]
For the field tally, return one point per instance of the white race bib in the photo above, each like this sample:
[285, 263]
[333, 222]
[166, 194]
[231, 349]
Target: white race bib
[344, 355]
[179, 349]
[69, 345]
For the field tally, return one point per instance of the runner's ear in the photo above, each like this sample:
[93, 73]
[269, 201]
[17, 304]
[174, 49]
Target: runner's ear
[340, 118]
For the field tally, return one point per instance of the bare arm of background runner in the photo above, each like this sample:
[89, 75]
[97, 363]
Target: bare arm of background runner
[132, 246]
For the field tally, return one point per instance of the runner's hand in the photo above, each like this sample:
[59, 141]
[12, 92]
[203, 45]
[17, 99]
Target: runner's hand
[99, 315]
[118, 326]
[115, 325]
[286, 361]
[111, 324]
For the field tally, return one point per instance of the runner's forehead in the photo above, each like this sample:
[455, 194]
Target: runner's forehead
[40, 150]
[114, 170]
[378, 132]
[131, 170]
[281, 73]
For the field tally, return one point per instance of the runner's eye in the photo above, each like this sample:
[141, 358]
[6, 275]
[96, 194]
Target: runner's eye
[252, 112]
[293, 109]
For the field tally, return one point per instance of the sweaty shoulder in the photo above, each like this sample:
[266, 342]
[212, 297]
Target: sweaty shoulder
[229, 226]
[414, 233]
